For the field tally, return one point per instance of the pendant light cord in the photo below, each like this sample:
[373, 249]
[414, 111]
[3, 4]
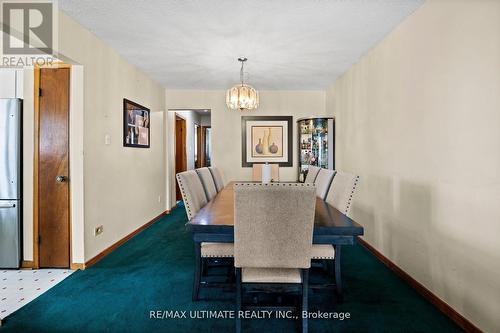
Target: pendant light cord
[241, 73]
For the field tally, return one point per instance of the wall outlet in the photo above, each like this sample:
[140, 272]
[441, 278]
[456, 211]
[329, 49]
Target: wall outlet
[98, 230]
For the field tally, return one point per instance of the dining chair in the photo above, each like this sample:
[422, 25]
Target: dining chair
[273, 229]
[323, 181]
[194, 197]
[342, 191]
[257, 172]
[311, 174]
[193, 193]
[219, 180]
[339, 196]
[208, 182]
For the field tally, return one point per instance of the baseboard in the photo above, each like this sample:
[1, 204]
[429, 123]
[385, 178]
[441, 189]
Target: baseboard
[29, 264]
[113, 247]
[446, 309]
[77, 266]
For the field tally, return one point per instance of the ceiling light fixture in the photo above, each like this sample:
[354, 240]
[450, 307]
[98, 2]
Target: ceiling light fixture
[242, 96]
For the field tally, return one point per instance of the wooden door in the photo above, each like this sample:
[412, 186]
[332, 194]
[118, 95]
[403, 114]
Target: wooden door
[180, 151]
[200, 145]
[53, 169]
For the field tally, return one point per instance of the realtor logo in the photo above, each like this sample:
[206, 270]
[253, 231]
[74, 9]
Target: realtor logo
[28, 27]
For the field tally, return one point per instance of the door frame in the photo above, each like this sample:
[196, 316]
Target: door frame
[36, 159]
[204, 134]
[200, 145]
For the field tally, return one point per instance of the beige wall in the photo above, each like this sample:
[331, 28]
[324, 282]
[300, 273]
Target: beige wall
[418, 119]
[124, 187]
[226, 125]
[99, 80]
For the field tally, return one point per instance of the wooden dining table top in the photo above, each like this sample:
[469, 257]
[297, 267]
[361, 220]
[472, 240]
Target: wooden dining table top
[217, 216]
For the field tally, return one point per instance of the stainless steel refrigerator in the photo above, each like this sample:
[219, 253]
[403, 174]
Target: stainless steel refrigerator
[10, 182]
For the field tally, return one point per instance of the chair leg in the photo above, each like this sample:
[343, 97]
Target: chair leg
[338, 275]
[238, 299]
[204, 267]
[324, 264]
[305, 299]
[197, 271]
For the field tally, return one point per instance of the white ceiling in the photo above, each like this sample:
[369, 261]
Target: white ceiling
[301, 44]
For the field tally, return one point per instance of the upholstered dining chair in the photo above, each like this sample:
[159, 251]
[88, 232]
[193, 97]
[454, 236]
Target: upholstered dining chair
[208, 182]
[193, 195]
[342, 191]
[273, 229]
[257, 172]
[219, 180]
[323, 181]
[339, 196]
[311, 174]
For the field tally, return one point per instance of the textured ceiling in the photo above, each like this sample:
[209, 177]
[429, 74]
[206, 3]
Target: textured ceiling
[290, 44]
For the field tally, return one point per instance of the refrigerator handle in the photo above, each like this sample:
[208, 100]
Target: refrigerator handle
[7, 206]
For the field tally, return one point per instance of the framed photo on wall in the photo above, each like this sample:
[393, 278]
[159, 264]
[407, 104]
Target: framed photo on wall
[267, 139]
[136, 125]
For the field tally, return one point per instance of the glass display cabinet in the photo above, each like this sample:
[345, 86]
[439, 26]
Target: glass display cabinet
[316, 146]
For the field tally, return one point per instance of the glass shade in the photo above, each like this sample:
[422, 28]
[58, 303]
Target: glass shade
[242, 97]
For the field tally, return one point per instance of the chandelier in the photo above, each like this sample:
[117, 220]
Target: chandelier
[242, 96]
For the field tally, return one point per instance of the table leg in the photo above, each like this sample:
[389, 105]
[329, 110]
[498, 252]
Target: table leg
[338, 275]
[238, 299]
[197, 270]
[305, 299]
[204, 266]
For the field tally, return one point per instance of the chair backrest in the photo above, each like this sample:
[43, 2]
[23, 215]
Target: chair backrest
[273, 225]
[192, 192]
[323, 181]
[312, 173]
[219, 180]
[208, 182]
[342, 191]
[257, 172]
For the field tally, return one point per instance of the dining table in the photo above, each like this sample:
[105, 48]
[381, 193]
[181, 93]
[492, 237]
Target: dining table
[215, 223]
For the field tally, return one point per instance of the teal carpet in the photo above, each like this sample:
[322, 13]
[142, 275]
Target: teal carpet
[154, 271]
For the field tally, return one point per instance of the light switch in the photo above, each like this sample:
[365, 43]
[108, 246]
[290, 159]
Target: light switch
[107, 139]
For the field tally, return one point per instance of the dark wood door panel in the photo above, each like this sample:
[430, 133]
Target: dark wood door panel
[53, 201]
[180, 151]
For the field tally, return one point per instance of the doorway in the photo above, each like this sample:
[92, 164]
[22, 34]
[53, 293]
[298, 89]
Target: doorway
[180, 151]
[191, 142]
[52, 187]
[203, 148]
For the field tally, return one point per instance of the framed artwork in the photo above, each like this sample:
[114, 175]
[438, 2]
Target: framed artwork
[136, 125]
[267, 139]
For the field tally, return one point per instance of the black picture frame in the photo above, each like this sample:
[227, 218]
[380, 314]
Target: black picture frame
[244, 119]
[129, 123]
